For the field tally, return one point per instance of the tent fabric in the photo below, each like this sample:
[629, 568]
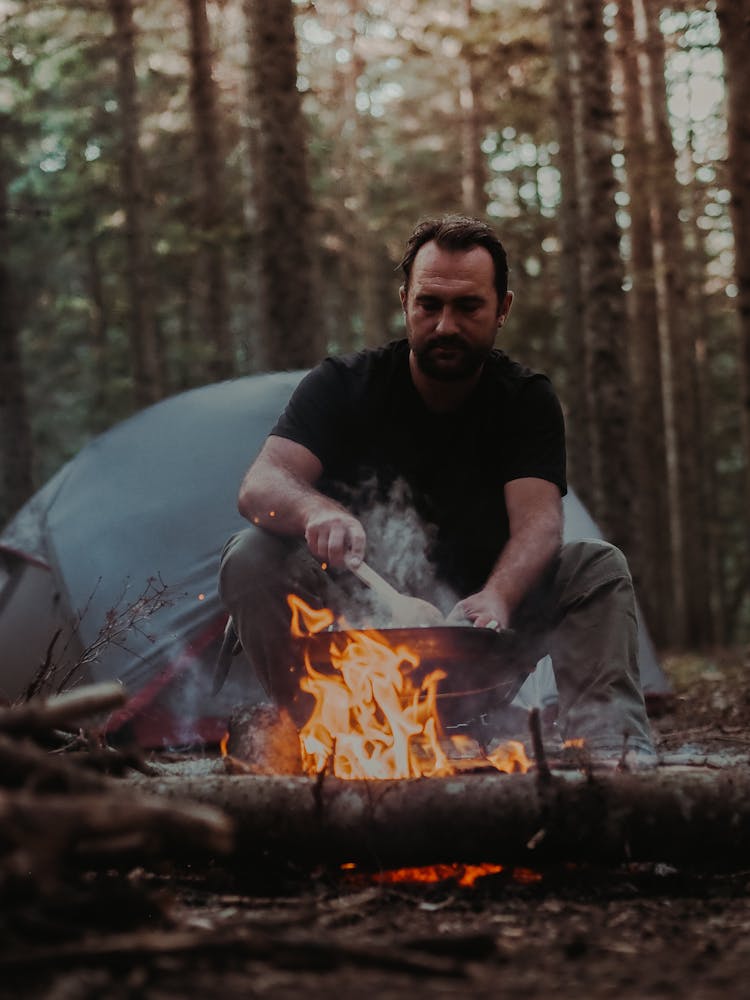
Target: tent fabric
[152, 501]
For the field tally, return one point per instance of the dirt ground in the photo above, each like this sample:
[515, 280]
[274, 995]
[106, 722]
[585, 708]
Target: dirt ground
[572, 931]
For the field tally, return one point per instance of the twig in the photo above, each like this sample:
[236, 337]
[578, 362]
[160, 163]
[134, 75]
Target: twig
[118, 624]
[45, 671]
[544, 775]
[622, 764]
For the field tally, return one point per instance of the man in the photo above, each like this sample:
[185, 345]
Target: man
[479, 441]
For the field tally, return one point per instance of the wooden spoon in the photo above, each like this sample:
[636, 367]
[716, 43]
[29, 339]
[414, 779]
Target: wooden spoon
[406, 611]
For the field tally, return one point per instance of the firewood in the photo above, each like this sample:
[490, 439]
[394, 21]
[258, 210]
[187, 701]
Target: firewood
[264, 739]
[48, 830]
[681, 816]
[42, 715]
[23, 763]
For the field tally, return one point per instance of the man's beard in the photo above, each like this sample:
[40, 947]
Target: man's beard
[467, 362]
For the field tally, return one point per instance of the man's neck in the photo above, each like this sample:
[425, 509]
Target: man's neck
[439, 396]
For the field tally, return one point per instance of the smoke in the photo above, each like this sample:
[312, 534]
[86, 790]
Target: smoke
[189, 697]
[398, 546]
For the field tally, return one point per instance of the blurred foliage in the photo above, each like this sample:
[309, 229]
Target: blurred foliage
[382, 85]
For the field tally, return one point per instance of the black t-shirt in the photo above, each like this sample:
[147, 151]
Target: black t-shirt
[363, 418]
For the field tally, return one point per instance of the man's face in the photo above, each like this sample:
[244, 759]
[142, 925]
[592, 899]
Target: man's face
[452, 311]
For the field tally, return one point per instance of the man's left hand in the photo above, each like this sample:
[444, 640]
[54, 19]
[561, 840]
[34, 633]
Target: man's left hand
[483, 610]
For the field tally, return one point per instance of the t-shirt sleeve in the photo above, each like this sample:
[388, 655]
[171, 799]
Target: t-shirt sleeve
[536, 444]
[317, 415]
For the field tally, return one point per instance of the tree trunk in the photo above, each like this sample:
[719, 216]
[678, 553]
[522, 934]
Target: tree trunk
[691, 616]
[604, 311]
[651, 564]
[568, 109]
[289, 307]
[15, 431]
[210, 197]
[705, 353]
[734, 21]
[359, 221]
[98, 337]
[474, 173]
[147, 383]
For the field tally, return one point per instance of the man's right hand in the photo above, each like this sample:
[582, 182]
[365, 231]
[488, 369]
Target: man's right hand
[335, 537]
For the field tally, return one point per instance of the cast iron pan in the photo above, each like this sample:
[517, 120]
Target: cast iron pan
[484, 669]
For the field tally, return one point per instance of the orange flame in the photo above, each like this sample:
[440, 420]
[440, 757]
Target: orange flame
[509, 757]
[371, 720]
[224, 743]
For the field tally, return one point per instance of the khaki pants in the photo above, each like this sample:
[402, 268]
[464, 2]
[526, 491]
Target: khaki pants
[582, 614]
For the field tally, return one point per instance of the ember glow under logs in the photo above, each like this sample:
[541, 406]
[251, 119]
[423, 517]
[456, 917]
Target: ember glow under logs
[375, 713]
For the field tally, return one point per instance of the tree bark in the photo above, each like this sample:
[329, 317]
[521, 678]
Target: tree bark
[289, 306]
[678, 817]
[210, 198]
[147, 383]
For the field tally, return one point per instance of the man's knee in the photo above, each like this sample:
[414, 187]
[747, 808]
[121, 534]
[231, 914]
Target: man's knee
[592, 561]
[249, 555]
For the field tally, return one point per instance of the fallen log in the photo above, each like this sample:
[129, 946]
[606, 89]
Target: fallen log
[679, 816]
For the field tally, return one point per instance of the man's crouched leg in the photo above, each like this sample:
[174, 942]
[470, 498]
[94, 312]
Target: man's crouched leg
[258, 571]
[594, 647]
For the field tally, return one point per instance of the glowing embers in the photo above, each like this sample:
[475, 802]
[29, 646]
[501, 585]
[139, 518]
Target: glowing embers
[464, 875]
[372, 717]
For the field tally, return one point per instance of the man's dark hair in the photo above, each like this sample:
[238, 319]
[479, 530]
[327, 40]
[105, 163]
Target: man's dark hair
[456, 233]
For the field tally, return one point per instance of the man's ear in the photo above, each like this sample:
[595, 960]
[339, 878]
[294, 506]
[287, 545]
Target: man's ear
[502, 313]
[402, 296]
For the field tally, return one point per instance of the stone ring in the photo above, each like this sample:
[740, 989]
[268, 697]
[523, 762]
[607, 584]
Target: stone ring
[494, 625]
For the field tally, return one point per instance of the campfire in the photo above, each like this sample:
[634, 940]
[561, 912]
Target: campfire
[373, 717]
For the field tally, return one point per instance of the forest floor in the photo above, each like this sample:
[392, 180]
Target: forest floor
[637, 930]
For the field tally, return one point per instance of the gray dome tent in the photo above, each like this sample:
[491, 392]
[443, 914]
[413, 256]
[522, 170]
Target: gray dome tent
[145, 506]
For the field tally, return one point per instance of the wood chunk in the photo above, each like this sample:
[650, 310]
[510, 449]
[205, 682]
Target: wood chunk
[264, 738]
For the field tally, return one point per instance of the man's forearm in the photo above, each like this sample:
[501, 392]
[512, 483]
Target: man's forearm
[279, 494]
[277, 500]
[523, 561]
